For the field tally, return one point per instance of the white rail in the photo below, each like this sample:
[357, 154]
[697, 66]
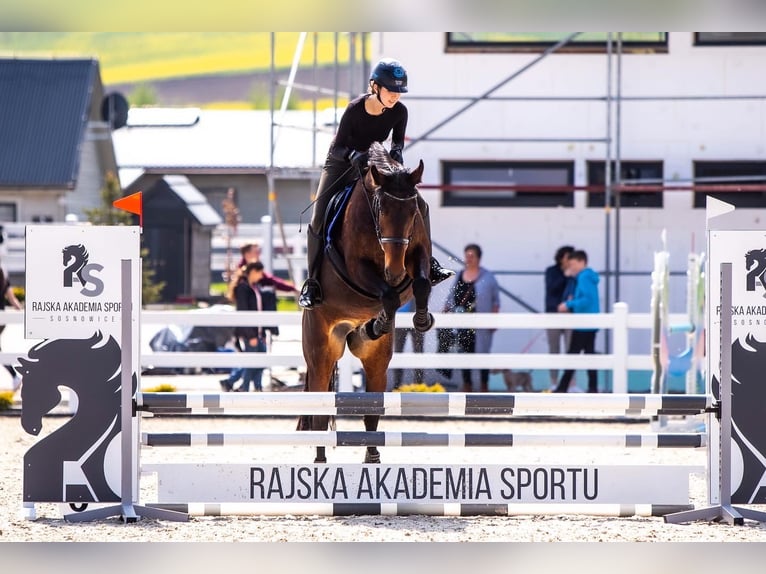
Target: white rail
[619, 361]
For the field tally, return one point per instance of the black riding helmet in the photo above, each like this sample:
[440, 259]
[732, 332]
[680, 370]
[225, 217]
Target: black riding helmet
[390, 74]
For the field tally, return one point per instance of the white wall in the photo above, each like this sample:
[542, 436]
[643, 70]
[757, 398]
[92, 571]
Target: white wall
[675, 132]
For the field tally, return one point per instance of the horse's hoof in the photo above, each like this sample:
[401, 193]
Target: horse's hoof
[372, 458]
[320, 460]
[423, 326]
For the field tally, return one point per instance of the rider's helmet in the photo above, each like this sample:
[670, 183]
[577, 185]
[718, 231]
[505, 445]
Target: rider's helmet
[390, 74]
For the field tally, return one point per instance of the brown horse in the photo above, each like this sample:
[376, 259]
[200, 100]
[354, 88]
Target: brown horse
[377, 259]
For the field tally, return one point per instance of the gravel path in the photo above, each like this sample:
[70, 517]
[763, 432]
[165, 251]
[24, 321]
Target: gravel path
[50, 527]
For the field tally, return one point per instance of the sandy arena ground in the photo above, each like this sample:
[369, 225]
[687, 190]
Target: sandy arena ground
[50, 527]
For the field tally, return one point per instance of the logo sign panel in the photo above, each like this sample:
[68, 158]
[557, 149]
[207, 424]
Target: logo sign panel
[73, 279]
[746, 251]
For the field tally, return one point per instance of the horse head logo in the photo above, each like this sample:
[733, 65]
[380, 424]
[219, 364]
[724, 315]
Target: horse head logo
[748, 360]
[755, 263]
[75, 259]
[69, 464]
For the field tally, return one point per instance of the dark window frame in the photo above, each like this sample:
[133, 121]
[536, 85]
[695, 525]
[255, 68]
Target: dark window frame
[736, 39]
[520, 198]
[451, 45]
[628, 199]
[706, 171]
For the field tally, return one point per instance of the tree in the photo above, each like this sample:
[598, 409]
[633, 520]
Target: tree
[107, 214]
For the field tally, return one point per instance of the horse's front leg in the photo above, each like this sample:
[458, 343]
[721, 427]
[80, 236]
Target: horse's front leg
[422, 320]
[383, 322]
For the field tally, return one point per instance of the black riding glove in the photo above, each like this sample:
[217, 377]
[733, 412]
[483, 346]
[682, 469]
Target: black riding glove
[396, 154]
[358, 159]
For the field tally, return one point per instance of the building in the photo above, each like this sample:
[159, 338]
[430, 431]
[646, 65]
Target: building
[55, 147]
[516, 133]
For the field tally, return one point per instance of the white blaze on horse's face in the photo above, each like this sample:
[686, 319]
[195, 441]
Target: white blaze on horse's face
[395, 213]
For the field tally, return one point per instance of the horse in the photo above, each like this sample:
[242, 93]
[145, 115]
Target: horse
[68, 465]
[377, 257]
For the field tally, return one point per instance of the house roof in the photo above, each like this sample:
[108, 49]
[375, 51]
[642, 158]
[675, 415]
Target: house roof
[45, 105]
[190, 139]
[190, 196]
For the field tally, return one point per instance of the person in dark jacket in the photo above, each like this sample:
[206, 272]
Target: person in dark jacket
[557, 288]
[368, 118]
[249, 298]
[584, 300]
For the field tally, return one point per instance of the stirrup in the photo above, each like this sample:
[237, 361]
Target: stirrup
[311, 294]
[439, 273]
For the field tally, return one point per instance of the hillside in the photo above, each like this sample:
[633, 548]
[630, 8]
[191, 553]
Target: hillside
[189, 68]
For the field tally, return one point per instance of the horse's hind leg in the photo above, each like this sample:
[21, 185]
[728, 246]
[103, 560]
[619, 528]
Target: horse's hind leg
[371, 425]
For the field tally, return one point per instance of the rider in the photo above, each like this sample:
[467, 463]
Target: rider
[369, 117]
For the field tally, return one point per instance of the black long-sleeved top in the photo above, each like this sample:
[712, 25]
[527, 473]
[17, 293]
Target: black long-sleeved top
[358, 129]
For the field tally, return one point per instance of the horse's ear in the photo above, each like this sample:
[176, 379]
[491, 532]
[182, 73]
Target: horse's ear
[377, 178]
[416, 175]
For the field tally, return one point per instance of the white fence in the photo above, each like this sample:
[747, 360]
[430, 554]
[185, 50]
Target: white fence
[288, 352]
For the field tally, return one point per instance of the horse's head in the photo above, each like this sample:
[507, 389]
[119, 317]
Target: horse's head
[395, 209]
[49, 364]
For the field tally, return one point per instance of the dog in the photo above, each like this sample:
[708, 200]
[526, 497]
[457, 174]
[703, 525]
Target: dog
[516, 380]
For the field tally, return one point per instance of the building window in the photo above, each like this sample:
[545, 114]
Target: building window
[639, 42]
[508, 184]
[7, 212]
[733, 174]
[729, 38]
[647, 172]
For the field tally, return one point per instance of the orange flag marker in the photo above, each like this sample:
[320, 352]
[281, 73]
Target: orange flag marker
[132, 203]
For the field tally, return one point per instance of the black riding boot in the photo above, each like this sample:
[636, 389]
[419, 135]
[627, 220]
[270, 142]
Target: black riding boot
[437, 273]
[311, 292]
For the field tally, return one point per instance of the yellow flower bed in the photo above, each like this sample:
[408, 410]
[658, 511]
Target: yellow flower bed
[162, 388]
[420, 388]
[6, 400]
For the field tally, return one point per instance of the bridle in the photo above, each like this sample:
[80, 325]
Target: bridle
[374, 206]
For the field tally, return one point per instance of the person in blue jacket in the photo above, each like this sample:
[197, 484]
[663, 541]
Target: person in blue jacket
[584, 300]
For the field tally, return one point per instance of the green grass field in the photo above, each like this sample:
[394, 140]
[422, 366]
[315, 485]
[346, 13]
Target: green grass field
[141, 56]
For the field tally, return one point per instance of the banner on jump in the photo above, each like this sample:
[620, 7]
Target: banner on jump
[559, 484]
[746, 251]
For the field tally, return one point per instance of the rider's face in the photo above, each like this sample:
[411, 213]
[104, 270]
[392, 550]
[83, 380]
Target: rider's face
[388, 97]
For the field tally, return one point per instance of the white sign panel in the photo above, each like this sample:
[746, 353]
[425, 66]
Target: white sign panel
[379, 483]
[73, 279]
[746, 251]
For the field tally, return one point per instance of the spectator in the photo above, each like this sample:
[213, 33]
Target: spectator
[584, 300]
[253, 339]
[400, 340]
[557, 288]
[475, 290]
[250, 253]
[10, 297]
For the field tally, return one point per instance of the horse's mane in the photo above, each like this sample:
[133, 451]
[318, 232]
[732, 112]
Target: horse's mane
[379, 156]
